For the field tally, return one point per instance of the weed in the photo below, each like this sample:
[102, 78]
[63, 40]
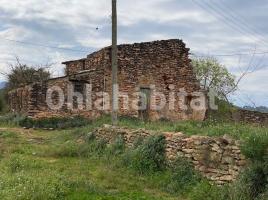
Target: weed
[255, 147]
[148, 157]
[55, 122]
[117, 147]
[183, 177]
[8, 134]
[206, 191]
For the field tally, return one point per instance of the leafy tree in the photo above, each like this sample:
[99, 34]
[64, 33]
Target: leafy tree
[3, 102]
[214, 76]
[22, 74]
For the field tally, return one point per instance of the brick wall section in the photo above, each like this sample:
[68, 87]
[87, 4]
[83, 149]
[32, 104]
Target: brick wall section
[19, 99]
[160, 64]
[154, 65]
[31, 99]
[251, 117]
[217, 158]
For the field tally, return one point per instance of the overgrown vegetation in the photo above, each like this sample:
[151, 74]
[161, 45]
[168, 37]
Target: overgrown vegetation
[81, 167]
[21, 74]
[3, 101]
[55, 122]
[215, 77]
[11, 119]
[147, 157]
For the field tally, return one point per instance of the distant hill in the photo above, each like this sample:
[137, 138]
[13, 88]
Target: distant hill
[2, 84]
[263, 109]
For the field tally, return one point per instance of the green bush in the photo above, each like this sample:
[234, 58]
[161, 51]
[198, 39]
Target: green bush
[148, 157]
[183, 177]
[11, 119]
[251, 184]
[264, 196]
[117, 147]
[90, 137]
[98, 147]
[255, 178]
[255, 147]
[206, 191]
[55, 122]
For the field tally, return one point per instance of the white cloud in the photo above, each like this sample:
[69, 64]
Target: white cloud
[133, 12]
[72, 24]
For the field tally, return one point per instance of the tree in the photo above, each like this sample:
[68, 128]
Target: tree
[214, 76]
[22, 74]
[3, 101]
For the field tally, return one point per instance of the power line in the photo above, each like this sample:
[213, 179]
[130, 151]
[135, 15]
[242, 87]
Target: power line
[231, 54]
[238, 17]
[227, 20]
[13, 59]
[43, 45]
[222, 8]
[217, 14]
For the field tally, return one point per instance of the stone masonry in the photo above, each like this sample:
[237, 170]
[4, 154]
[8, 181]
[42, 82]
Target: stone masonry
[217, 158]
[153, 66]
[253, 117]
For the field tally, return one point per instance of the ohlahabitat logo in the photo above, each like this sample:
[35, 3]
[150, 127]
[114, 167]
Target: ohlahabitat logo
[86, 99]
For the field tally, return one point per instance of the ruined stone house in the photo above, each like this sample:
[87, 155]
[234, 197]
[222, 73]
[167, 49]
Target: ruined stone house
[142, 67]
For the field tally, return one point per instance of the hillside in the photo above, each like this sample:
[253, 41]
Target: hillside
[71, 164]
[45, 165]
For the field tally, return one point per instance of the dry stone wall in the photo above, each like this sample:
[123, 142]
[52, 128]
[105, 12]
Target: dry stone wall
[253, 117]
[217, 158]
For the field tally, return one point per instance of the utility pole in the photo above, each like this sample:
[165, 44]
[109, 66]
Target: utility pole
[114, 64]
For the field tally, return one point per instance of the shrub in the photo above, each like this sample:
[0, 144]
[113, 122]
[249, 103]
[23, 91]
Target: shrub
[183, 176]
[251, 183]
[11, 119]
[117, 147]
[206, 191]
[255, 178]
[55, 122]
[98, 147]
[255, 147]
[264, 196]
[90, 137]
[148, 157]
[138, 141]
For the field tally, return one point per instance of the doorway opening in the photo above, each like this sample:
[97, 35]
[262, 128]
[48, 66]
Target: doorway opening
[144, 103]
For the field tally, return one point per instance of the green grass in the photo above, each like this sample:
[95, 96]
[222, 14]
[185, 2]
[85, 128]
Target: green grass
[70, 164]
[209, 127]
[38, 164]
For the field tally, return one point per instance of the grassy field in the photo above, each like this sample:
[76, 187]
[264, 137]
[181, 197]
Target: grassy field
[59, 164]
[33, 167]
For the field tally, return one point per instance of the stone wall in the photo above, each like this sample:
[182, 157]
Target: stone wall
[19, 99]
[217, 158]
[248, 116]
[153, 65]
[30, 100]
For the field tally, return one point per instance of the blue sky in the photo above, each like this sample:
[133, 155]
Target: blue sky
[208, 27]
